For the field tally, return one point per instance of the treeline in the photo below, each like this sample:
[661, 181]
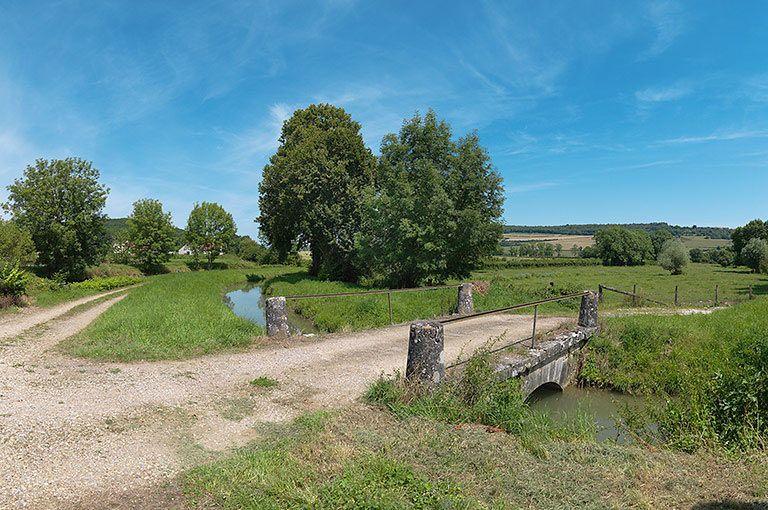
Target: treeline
[590, 229]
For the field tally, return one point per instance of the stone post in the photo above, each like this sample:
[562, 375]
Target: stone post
[426, 358]
[277, 317]
[466, 305]
[588, 310]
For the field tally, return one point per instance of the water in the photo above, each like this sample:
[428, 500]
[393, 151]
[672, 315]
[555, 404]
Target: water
[601, 405]
[249, 303]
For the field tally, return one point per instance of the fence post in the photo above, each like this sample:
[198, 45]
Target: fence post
[389, 305]
[535, 317]
[466, 304]
[634, 295]
[426, 358]
[751, 296]
[600, 293]
[588, 310]
[675, 295]
[277, 317]
[717, 288]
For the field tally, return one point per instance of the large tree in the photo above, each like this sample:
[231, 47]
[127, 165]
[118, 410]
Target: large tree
[755, 229]
[312, 188]
[60, 203]
[150, 235]
[434, 212]
[210, 231]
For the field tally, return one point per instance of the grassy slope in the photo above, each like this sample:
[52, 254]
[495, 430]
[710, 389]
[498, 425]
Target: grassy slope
[511, 286]
[652, 354]
[364, 458]
[172, 316]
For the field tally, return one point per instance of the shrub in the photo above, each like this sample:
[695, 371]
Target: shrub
[723, 256]
[13, 280]
[518, 262]
[619, 246]
[698, 255]
[755, 255]
[16, 244]
[673, 256]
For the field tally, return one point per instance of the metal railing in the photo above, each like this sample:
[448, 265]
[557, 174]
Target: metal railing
[388, 292]
[634, 295]
[532, 338]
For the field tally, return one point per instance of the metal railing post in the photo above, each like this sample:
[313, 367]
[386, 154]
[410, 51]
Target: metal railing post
[717, 288]
[389, 305]
[634, 295]
[676, 295]
[535, 317]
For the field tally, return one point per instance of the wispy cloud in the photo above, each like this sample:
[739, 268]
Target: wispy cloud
[526, 188]
[716, 137]
[662, 94]
[666, 18]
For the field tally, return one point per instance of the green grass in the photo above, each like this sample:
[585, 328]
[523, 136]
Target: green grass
[263, 382]
[172, 316]
[186, 263]
[512, 286]
[45, 294]
[363, 458]
[709, 372]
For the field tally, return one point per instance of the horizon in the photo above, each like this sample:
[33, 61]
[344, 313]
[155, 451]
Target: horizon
[591, 112]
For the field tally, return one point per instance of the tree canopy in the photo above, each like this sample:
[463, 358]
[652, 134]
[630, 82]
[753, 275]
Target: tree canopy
[150, 235]
[210, 231]
[658, 238]
[755, 255]
[434, 211]
[618, 246]
[755, 229]
[312, 188]
[60, 203]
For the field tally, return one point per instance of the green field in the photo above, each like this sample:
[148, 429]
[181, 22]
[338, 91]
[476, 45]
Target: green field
[172, 316]
[512, 286]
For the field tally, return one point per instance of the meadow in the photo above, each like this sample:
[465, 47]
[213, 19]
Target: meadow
[696, 288]
[171, 316]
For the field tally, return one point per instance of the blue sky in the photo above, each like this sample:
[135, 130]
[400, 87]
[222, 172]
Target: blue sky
[591, 111]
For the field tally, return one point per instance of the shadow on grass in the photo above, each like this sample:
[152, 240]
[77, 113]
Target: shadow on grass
[731, 505]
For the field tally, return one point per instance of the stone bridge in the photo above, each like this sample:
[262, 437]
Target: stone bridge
[556, 361]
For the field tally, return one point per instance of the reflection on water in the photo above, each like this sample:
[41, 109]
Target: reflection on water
[247, 303]
[602, 405]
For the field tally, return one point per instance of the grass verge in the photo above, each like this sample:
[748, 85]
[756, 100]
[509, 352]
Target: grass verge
[172, 316]
[364, 458]
[708, 372]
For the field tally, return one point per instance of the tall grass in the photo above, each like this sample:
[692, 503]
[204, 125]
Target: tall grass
[707, 374]
[171, 316]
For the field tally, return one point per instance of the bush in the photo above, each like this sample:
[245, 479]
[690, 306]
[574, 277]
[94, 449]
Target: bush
[108, 269]
[619, 246]
[13, 280]
[726, 257]
[673, 256]
[755, 255]
[698, 255]
[16, 244]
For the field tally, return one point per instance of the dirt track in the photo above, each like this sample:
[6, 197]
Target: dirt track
[77, 433]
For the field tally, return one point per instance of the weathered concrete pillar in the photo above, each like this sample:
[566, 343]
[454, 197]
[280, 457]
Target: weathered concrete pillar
[466, 305]
[588, 310]
[277, 317]
[426, 358]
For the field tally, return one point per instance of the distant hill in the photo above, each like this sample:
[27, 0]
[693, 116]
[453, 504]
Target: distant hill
[116, 225]
[591, 228]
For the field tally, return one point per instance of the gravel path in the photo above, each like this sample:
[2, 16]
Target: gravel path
[77, 433]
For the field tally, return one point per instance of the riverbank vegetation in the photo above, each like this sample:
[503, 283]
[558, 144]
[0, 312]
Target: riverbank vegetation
[706, 375]
[171, 316]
